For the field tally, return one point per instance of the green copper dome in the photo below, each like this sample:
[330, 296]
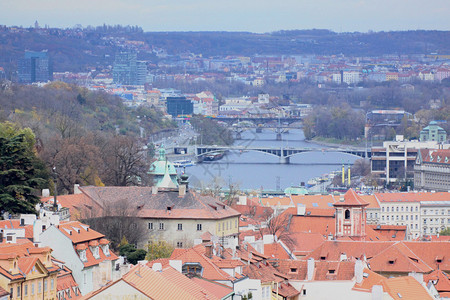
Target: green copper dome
[158, 167]
[163, 171]
[295, 190]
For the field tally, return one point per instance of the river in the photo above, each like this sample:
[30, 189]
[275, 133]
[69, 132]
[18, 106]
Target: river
[256, 170]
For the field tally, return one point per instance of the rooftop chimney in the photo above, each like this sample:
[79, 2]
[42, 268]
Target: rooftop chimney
[45, 193]
[76, 189]
[182, 190]
[359, 268]
[157, 267]
[154, 190]
[310, 269]
[301, 209]
[208, 251]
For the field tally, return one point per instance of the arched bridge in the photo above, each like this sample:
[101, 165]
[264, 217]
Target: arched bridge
[283, 153]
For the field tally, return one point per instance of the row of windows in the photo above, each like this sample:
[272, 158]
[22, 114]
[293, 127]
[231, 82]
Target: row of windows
[226, 225]
[392, 218]
[402, 208]
[436, 212]
[163, 227]
[32, 288]
[436, 220]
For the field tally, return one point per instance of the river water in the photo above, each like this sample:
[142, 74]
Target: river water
[256, 170]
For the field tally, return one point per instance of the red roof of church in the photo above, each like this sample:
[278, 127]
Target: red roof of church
[351, 199]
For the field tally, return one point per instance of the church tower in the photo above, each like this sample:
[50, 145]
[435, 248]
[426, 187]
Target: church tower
[351, 216]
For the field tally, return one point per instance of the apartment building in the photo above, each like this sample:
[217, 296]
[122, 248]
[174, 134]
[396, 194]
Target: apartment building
[396, 159]
[432, 170]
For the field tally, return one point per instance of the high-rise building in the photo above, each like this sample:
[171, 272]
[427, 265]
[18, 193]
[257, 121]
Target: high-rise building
[35, 67]
[177, 106]
[128, 70]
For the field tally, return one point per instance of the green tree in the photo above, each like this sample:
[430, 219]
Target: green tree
[160, 249]
[21, 172]
[446, 231]
[133, 255]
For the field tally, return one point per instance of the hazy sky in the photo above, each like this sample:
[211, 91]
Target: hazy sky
[232, 15]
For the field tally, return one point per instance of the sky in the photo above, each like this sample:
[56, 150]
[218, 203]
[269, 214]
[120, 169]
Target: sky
[232, 15]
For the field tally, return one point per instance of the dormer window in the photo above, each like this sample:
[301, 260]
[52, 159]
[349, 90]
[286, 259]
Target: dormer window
[95, 253]
[82, 255]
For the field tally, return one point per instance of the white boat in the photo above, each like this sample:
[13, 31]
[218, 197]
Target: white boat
[183, 163]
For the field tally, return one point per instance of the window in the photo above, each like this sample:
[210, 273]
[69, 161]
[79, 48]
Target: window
[347, 214]
[331, 271]
[11, 293]
[199, 227]
[161, 226]
[180, 226]
[150, 226]
[179, 244]
[32, 289]
[18, 291]
[293, 270]
[52, 284]
[39, 287]
[382, 209]
[397, 208]
[45, 285]
[387, 209]
[25, 289]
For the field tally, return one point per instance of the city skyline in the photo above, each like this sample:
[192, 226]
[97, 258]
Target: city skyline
[251, 15]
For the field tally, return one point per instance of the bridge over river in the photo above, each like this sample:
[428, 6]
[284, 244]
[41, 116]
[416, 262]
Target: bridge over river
[283, 153]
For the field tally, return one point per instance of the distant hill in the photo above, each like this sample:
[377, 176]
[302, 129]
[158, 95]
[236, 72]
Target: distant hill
[83, 49]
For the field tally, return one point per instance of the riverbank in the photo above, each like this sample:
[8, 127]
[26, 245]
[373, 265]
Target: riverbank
[335, 143]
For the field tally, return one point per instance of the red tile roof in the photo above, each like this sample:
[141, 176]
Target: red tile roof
[286, 290]
[304, 242]
[197, 255]
[398, 259]
[82, 236]
[276, 250]
[385, 233]
[15, 224]
[407, 287]
[78, 232]
[370, 279]
[220, 291]
[413, 197]
[441, 281]
[350, 198]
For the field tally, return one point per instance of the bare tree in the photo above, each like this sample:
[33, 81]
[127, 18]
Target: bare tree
[125, 162]
[278, 226]
[116, 220]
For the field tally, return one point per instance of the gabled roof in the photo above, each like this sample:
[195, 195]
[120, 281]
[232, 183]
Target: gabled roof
[441, 280]
[407, 287]
[3, 292]
[399, 259]
[304, 242]
[78, 232]
[15, 224]
[144, 204]
[197, 255]
[351, 198]
[385, 233]
[220, 291]
[370, 278]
